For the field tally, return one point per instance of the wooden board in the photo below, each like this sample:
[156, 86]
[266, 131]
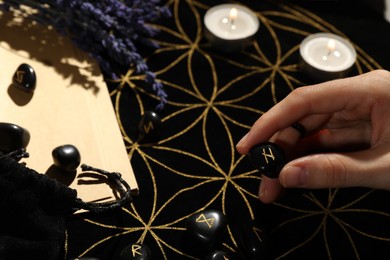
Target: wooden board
[70, 105]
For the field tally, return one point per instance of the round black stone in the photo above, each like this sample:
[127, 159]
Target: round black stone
[268, 158]
[25, 78]
[136, 252]
[13, 137]
[207, 227]
[253, 241]
[85, 258]
[66, 157]
[150, 124]
[222, 255]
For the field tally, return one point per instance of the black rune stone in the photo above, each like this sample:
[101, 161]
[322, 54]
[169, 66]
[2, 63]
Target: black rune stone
[85, 258]
[222, 255]
[253, 241]
[207, 227]
[13, 137]
[66, 157]
[136, 252]
[268, 158]
[25, 78]
[150, 124]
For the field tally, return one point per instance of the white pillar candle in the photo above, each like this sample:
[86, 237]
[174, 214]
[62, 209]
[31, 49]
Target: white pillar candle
[326, 56]
[230, 27]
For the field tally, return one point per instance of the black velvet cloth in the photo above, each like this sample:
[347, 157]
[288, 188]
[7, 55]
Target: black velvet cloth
[33, 213]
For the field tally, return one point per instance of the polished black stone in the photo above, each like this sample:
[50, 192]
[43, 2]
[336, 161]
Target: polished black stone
[85, 258]
[207, 227]
[150, 124]
[268, 158]
[13, 137]
[66, 157]
[253, 241]
[136, 252]
[222, 255]
[25, 78]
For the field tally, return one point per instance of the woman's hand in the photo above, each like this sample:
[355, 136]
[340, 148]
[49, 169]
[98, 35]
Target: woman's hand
[348, 118]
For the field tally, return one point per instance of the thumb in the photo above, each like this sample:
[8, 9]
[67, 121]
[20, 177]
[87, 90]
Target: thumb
[332, 170]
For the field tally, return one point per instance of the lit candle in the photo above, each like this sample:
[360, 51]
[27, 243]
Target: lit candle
[326, 56]
[230, 27]
[232, 19]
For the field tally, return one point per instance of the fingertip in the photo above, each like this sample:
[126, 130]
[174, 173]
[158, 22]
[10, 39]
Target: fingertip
[262, 191]
[270, 190]
[241, 145]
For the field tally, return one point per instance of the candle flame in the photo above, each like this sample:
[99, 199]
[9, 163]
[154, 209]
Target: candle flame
[331, 45]
[232, 18]
[233, 14]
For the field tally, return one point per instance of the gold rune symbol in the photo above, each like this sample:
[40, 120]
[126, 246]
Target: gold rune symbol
[135, 250]
[258, 232]
[148, 127]
[19, 76]
[208, 221]
[266, 155]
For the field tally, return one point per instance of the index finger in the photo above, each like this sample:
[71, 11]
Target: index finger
[324, 98]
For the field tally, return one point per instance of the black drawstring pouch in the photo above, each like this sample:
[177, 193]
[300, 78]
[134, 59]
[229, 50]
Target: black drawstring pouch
[34, 208]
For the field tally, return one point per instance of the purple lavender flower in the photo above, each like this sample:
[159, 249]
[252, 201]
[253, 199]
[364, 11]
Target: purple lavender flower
[109, 30]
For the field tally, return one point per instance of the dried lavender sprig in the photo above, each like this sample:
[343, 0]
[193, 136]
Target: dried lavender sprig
[106, 29]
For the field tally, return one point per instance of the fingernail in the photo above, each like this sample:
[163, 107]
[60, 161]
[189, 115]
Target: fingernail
[241, 142]
[293, 176]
